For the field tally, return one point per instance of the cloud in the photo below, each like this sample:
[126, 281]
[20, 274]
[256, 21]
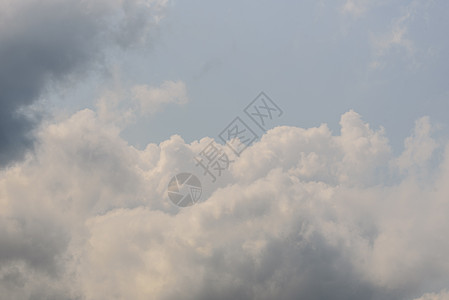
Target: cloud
[396, 38]
[303, 213]
[399, 38]
[51, 41]
[435, 296]
[339, 161]
[121, 106]
[152, 98]
[356, 7]
[419, 147]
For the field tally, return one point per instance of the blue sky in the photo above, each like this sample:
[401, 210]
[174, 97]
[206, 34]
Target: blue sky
[318, 59]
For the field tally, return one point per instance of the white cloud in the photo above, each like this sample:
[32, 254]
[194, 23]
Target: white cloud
[419, 147]
[121, 106]
[435, 296]
[356, 7]
[303, 213]
[152, 98]
[338, 161]
[398, 40]
[397, 37]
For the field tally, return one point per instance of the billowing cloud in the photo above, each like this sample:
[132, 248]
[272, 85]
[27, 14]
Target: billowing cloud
[303, 213]
[51, 41]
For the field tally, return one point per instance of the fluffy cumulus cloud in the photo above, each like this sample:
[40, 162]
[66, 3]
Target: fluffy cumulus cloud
[302, 214]
[51, 41]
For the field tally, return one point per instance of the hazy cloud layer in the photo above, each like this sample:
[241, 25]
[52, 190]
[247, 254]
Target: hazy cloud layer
[52, 40]
[122, 107]
[435, 296]
[304, 213]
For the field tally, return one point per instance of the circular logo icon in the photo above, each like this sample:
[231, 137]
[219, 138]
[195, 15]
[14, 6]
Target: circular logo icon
[184, 189]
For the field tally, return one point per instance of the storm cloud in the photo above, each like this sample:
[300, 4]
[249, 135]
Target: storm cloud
[50, 41]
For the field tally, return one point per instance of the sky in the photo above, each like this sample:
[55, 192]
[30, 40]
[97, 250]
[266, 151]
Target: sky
[342, 195]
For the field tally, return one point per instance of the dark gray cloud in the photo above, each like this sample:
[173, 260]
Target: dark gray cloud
[44, 41]
[40, 42]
